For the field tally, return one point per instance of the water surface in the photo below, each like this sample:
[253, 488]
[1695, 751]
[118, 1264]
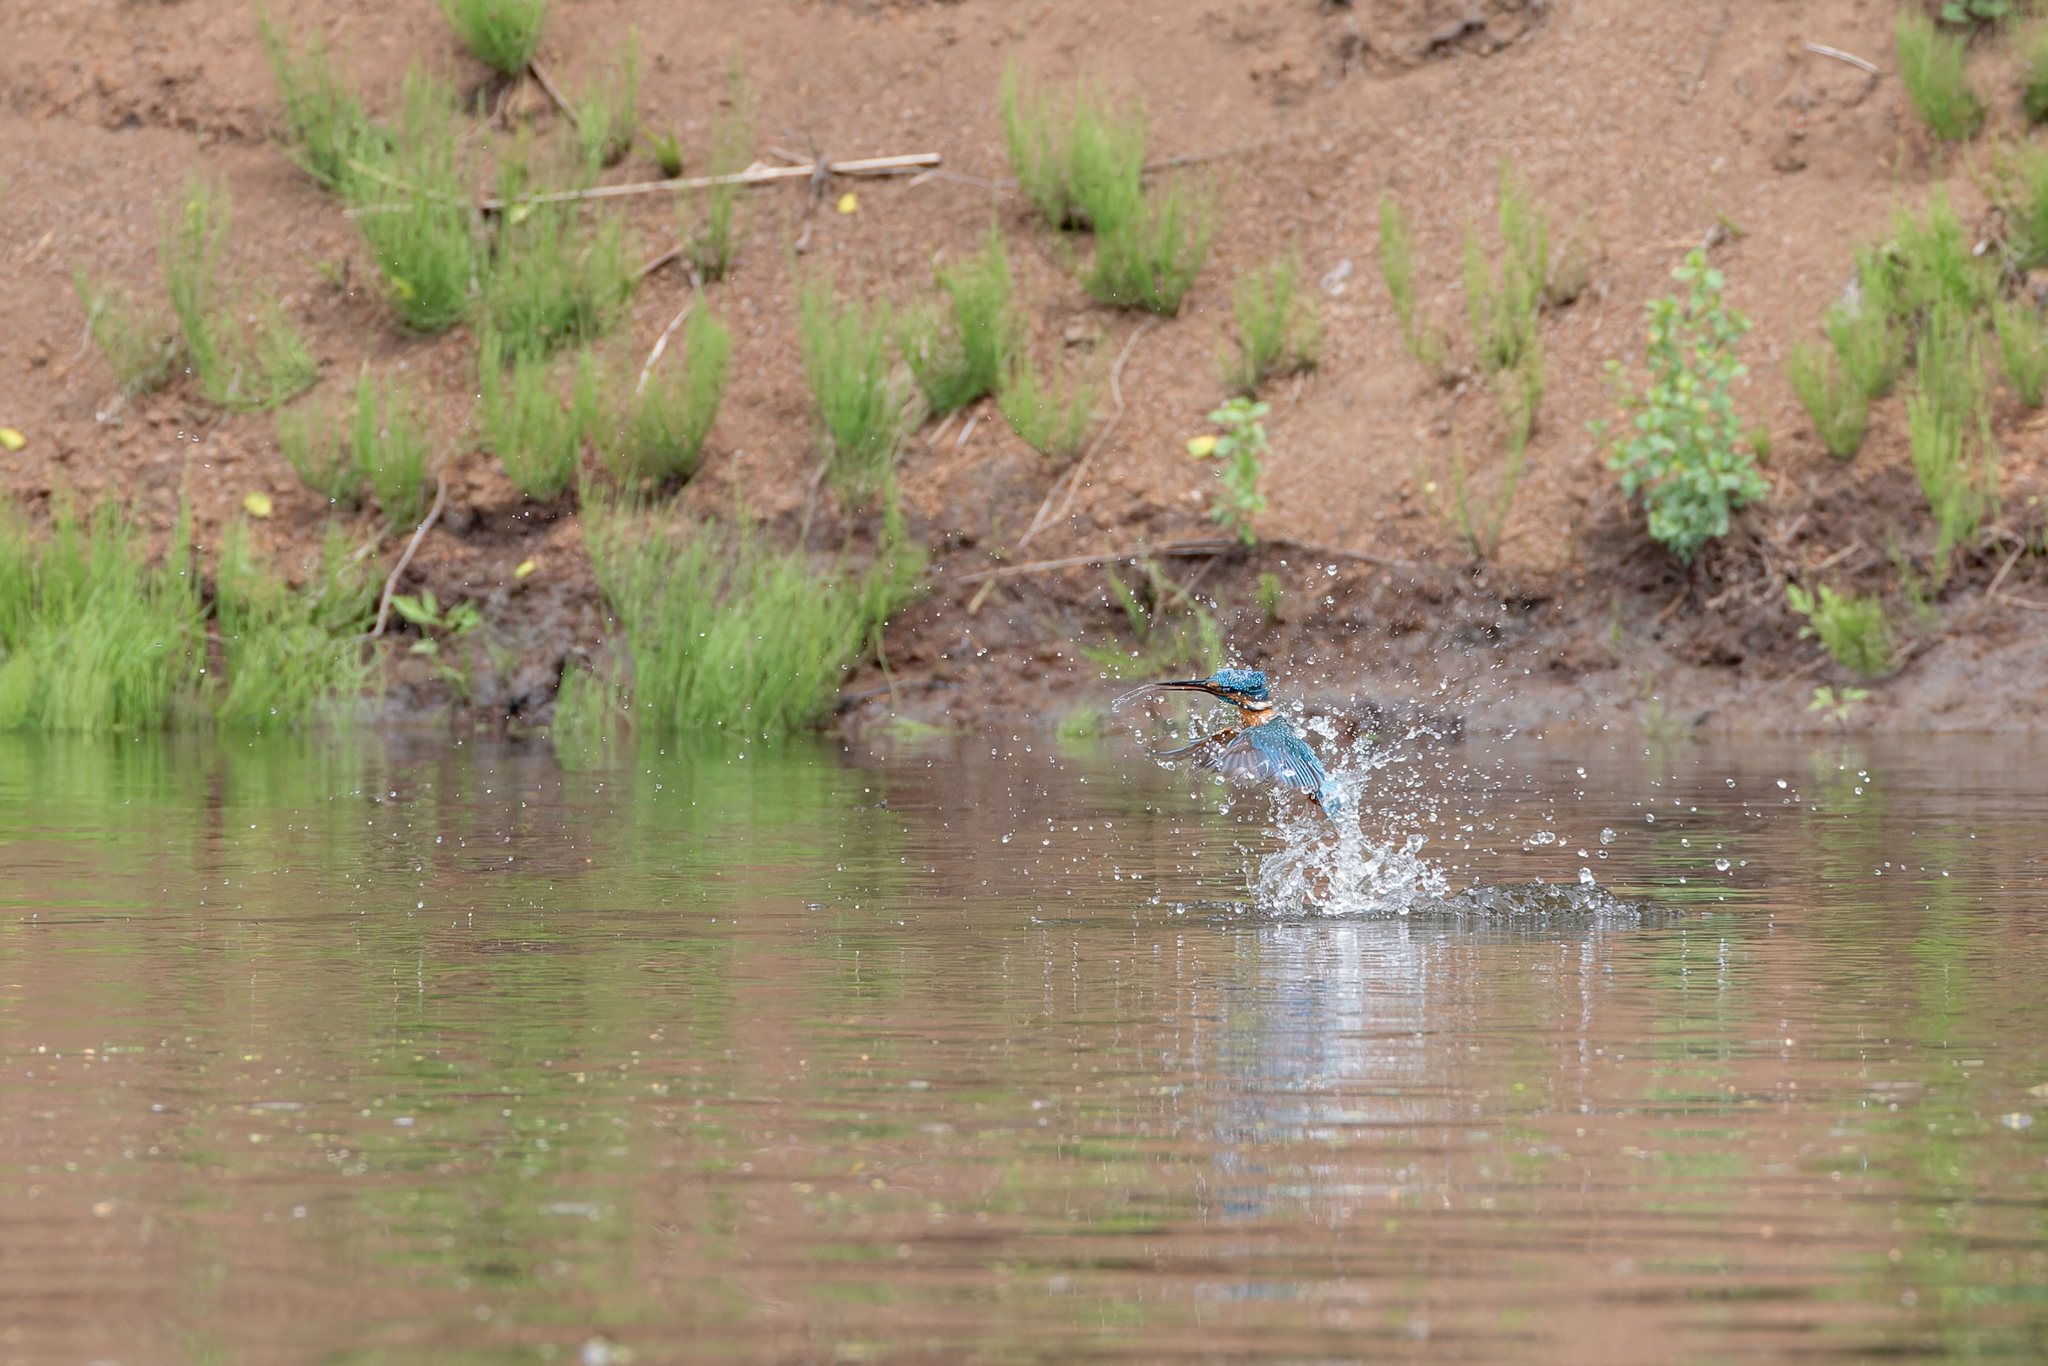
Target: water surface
[996, 1050]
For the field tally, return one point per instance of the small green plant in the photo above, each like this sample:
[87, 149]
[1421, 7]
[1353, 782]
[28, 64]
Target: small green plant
[1173, 631]
[501, 34]
[1853, 628]
[2023, 346]
[326, 130]
[964, 353]
[2033, 54]
[1149, 247]
[1279, 328]
[1051, 416]
[1975, 11]
[552, 285]
[2019, 186]
[1832, 398]
[244, 354]
[609, 114]
[1931, 68]
[726, 633]
[1072, 159]
[446, 625]
[1239, 453]
[1270, 593]
[1759, 439]
[311, 441]
[141, 345]
[1837, 707]
[1931, 261]
[534, 434]
[1480, 525]
[1949, 428]
[390, 443]
[1868, 337]
[859, 411]
[413, 214]
[1425, 341]
[715, 240]
[665, 423]
[1681, 454]
[289, 653]
[1504, 301]
[667, 151]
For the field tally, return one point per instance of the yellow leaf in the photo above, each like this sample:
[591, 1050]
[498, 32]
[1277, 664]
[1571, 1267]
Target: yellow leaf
[257, 502]
[848, 202]
[12, 439]
[526, 568]
[1200, 446]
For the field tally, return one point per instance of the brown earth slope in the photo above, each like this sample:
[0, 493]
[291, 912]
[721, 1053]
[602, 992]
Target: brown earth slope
[1659, 127]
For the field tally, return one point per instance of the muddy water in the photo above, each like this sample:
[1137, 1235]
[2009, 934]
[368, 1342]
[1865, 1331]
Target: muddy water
[987, 1051]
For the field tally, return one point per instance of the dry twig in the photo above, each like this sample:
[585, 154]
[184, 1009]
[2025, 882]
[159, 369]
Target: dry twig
[541, 77]
[756, 174]
[1841, 56]
[391, 584]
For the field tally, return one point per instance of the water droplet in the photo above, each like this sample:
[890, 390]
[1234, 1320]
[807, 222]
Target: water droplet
[1608, 836]
[1721, 865]
[1649, 818]
[1586, 878]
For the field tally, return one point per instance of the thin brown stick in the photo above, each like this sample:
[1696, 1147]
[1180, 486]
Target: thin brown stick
[555, 95]
[1366, 557]
[756, 174]
[1011, 571]
[2005, 569]
[391, 584]
[1073, 476]
[661, 344]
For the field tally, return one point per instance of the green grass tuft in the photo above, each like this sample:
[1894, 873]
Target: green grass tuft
[244, 353]
[2020, 188]
[859, 410]
[1932, 261]
[1867, 335]
[141, 345]
[2023, 346]
[2033, 55]
[1071, 159]
[1837, 404]
[413, 212]
[1853, 629]
[1050, 414]
[1425, 341]
[715, 238]
[609, 114]
[390, 442]
[1504, 301]
[290, 654]
[1931, 69]
[326, 130]
[659, 433]
[962, 354]
[535, 435]
[312, 443]
[1949, 427]
[1279, 327]
[502, 34]
[1149, 247]
[726, 633]
[553, 285]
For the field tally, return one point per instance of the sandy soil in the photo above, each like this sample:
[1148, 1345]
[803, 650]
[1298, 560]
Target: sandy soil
[1652, 124]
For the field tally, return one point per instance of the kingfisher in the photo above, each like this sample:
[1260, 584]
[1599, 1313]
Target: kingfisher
[1259, 748]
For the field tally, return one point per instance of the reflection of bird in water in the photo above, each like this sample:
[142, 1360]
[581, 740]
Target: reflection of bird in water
[1260, 748]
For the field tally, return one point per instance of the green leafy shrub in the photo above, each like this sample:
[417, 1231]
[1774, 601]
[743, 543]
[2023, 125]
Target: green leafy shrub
[859, 411]
[1279, 328]
[141, 345]
[241, 365]
[1050, 415]
[1836, 403]
[1853, 628]
[963, 353]
[726, 633]
[1680, 453]
[1424, 339]
[2023, 346]
[715, 239]
[326, 129]
[1239, 453]
[1949, 428]
[1931, 69]
[311, 440]
[660, 431]
[1071, 158]
[93, 638]
[551, 285]
[389, 441]
[413, 212]
[609, 114]
[535, 435]
[501, 34]
[1149, 247]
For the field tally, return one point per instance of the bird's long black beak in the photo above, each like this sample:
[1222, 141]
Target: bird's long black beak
[1170, 685]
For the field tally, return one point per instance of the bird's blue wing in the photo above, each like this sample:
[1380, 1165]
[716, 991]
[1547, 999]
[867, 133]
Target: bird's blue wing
[1273, 753]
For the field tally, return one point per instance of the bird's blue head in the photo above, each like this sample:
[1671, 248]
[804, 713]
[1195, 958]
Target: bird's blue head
[1237, 685]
